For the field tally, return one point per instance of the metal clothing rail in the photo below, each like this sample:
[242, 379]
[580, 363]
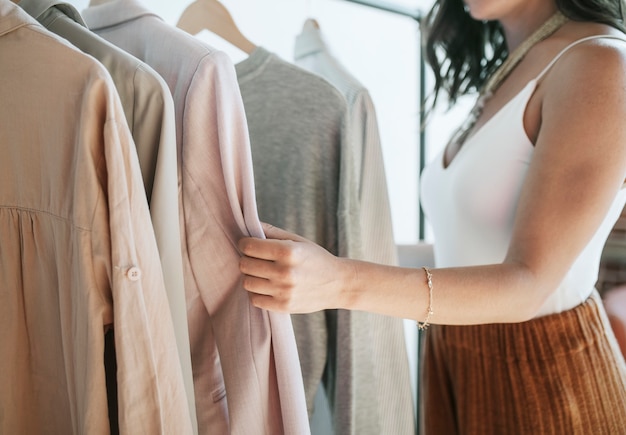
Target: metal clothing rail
[416, 15]
[391, 7]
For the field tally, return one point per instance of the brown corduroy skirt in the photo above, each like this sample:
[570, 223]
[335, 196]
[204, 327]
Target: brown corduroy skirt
[559, 374]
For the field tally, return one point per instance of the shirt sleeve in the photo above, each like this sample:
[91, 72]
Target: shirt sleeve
[151, 395]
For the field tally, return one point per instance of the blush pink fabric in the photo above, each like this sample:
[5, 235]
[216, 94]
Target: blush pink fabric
[247, 374]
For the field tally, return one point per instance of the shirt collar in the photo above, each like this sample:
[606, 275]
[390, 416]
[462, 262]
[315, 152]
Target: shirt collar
[309, 41]
[12, 17]
[115, 12]
[36, 8]
[253, 63]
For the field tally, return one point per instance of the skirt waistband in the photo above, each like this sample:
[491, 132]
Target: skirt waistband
[550, 336]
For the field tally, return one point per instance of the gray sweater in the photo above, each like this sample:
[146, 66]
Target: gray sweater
[307, 181]
[303, 169]
[380, 339]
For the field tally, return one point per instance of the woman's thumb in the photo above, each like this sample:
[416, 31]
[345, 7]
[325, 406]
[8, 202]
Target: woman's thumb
[272, 232]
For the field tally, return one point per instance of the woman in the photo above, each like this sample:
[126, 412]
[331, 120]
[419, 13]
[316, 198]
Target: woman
[521, 202]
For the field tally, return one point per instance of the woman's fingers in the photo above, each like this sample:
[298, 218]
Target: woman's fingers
[280, 245]
[267, 284]
[286, 272]
[268, 303]
[265, 269]
[258, 285]
[265, 249]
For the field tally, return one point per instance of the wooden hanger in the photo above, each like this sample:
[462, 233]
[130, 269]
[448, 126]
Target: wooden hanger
[213, 16]
[310, 23]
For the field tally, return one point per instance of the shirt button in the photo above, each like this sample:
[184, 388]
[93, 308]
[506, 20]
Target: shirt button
[134, 273]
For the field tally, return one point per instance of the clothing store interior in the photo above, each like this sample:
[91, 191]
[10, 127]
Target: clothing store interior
[306, 114]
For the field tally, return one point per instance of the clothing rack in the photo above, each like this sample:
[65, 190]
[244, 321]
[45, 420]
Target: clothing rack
[391, 7]
[416, 15]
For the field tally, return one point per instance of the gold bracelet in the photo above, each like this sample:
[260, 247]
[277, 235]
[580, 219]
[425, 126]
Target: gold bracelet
[429, 279]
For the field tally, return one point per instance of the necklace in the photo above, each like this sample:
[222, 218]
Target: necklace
[546, 29]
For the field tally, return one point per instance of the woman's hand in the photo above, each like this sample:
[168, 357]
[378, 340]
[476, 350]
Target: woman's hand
[289, 273]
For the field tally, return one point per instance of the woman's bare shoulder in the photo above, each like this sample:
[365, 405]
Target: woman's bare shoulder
[596, 53]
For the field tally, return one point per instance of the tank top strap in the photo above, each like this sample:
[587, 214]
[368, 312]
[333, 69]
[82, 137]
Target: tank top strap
[579, 41]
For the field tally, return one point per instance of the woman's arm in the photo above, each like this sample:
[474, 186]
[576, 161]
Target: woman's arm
[578, 166]
[291, 274]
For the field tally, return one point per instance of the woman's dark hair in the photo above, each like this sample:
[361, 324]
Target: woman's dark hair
[464, 52]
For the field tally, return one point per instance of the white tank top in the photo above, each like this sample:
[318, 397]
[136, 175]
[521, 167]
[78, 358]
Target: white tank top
[471, 203]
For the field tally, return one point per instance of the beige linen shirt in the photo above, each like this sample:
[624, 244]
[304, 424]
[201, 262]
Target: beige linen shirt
[149, 111]
[77, 250]
[246, 371]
